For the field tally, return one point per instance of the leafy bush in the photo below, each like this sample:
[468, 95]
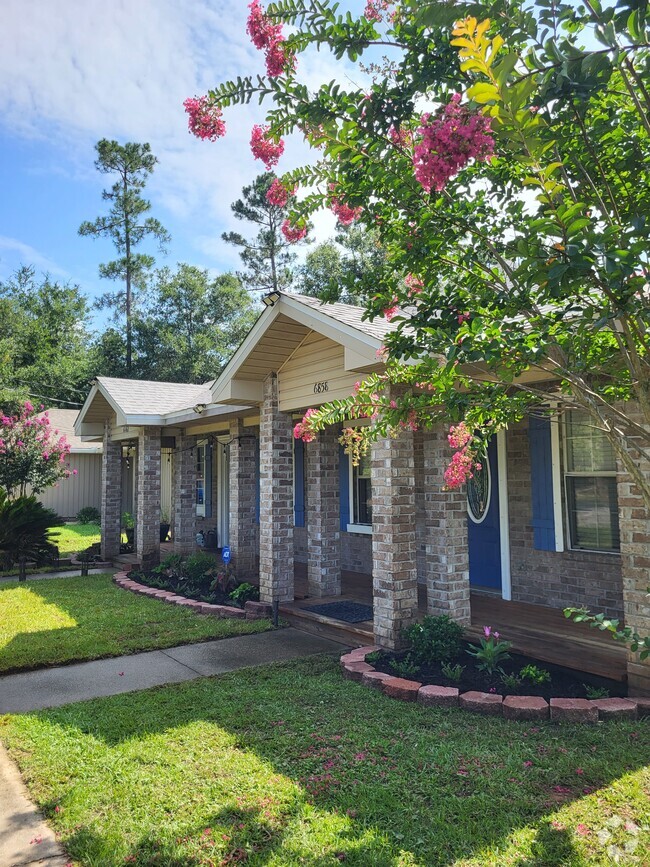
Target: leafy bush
[89, 515]
[491, 652]
[170, 569]
[406, 667]
[200, 570]
[511, 682]
[25, 531]
[243, 592]
[535, 675]
[594, 692]
[435, 639]
[453, 672]
[225, 580]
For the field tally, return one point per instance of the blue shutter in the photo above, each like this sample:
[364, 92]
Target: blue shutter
[541, 478]
[299, 483]
[344, 488]
[257, 481]
[208, 480]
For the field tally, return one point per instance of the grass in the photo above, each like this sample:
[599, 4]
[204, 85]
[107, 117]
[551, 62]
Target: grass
[60, 620]
[72, 538]
[292, 765]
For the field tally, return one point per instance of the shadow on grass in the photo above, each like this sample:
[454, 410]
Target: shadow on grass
[307, 768]
[84, 618]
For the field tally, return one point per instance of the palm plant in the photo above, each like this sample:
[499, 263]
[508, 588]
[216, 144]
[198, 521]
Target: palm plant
[25, 531]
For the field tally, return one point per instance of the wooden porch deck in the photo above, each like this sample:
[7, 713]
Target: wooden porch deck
[535, 630]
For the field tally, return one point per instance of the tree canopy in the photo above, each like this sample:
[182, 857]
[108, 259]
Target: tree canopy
[501, 151]
[127, 226]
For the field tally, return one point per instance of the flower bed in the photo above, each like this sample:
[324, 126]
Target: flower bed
[252, 610]
[199, 577]
[514, 707]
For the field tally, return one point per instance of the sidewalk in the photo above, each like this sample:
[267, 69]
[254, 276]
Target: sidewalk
[52, 687]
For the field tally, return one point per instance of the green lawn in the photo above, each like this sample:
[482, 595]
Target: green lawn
[57, 620]
[72, 538]
[292, 765]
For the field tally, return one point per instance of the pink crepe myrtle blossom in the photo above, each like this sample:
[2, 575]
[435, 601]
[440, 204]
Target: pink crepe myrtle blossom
[446, 142]
[278, 194]
[400, 136]
[33, 456]
[345, 214]
[414, 285]
[459, 435]
[376, 9]
[292, 233]
[264, 147]
[205, 120]
[303, 430]
[268, 37]
[462, 317]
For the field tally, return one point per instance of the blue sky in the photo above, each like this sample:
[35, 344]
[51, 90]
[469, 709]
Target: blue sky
[74, 71]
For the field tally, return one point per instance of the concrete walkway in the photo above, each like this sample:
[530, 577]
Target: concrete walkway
[25, 838]
[68, 573]
[52, 687]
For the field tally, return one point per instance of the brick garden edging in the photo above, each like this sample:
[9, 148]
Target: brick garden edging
[251, 611]
[514, 707]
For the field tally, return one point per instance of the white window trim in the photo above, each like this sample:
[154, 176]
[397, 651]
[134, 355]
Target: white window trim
[607, 474]
[556, 474]
[200, 508]
[355, 528]
[504, 516]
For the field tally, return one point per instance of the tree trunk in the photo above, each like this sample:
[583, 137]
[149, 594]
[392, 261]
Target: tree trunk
[127, 243]
[22, 569]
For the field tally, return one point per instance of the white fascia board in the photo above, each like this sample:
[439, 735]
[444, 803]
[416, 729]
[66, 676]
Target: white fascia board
[340, 332]
[214, 410]
[78, 422]
[94, 450]
[90, 432]
[143, 420]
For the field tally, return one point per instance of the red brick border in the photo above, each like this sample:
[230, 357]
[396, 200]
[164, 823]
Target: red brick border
[519, 707]
[251, 611]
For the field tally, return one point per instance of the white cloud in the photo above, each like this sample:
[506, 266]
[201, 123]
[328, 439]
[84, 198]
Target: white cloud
[14, 252]
[74, 71]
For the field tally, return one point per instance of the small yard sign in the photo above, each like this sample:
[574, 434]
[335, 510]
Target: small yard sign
[225, 554]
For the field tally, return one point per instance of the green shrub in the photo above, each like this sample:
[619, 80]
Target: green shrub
[170, 569]
[535, 675]
[243, 592]
[594, 692]
[435, 639]
[25, 532]
[453, 672]
[89, 515]
[199, 570]
[511, 682]
[406, 667]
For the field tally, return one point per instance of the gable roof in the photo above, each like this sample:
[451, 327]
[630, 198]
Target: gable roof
[147, 397]
[62, 420]
[282, 326]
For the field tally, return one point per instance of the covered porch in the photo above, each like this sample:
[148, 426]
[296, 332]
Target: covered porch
[535, 630]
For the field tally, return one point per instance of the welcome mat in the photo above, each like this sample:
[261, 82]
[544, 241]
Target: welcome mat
[348, 612]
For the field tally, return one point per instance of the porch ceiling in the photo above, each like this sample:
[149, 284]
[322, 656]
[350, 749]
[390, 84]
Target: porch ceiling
[275, 346]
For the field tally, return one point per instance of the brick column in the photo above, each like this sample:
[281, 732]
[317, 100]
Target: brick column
[111, 496]
[276, 498]
[446, 562]
[183, 494]
[323, 515]
[634, 524]
[147, 537]
[243, 498]
[395, 591]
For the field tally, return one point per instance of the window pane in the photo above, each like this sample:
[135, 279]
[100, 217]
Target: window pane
[364, 507]
[200, 496]
[588, 450]
[593, 513]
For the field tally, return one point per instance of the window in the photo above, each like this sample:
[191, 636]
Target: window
[361, 494]
[199, 497]
[590, 482]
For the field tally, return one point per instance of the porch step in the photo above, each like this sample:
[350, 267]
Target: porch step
[352, 634]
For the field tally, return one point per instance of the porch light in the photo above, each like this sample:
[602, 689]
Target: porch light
[271, 299]
[199, 408]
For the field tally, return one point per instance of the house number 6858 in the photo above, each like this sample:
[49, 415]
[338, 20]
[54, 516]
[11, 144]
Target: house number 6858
[321, 387]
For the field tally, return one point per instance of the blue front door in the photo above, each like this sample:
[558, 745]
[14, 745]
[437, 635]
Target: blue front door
[483, 524]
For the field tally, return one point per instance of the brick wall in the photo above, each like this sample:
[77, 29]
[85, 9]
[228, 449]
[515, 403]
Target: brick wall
[556, 579]
[243, 528]
[111, 496]
[634, 522]
[147, 533]
[183, 492]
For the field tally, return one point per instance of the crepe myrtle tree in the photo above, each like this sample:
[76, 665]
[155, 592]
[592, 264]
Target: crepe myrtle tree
[501, 151]
[33, 455]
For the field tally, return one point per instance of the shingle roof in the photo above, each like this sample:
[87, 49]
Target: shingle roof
[63, 420]
[145, 397]
[348, 314]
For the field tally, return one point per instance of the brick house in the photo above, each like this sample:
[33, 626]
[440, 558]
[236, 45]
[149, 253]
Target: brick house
[551, 520]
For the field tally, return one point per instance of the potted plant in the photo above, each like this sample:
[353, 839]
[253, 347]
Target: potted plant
[164, 526]
[128, 525]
